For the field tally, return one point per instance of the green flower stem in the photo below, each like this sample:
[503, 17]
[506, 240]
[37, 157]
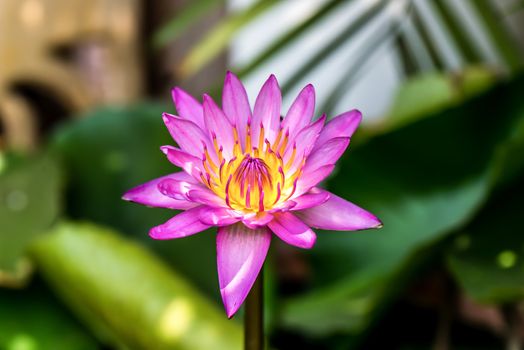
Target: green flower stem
[254, 316]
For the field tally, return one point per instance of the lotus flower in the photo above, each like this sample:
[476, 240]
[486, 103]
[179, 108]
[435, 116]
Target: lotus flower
[252, 175]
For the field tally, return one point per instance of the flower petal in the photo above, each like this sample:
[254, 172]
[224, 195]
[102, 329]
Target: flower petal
[338, 214]
[292, 231]
[188, 136]
[310, 179]
[191, 165]
[235, 104]
[218, 126]
[328, 153]
[257, 220]
[205, 196]
[180, 189]
[267, 111]
[343, 125]
[310, 199]
[184, 224]
[148, 194]
[304, 142]
[219, 216]
[240, 255]
[300, 112]
[188, 107]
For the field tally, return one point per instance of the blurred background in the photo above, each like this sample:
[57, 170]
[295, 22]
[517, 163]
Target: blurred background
[439, 158]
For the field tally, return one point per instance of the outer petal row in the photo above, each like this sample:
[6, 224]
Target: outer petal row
[240, 255]
[148, 194]
[338, 214]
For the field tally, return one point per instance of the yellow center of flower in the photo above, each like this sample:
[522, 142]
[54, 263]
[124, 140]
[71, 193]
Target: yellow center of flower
[256, 178]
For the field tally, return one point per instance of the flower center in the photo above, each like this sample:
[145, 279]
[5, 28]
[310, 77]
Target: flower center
[257, 177]
[253, 180]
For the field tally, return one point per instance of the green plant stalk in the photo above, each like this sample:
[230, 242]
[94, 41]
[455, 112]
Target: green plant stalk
[254, 316]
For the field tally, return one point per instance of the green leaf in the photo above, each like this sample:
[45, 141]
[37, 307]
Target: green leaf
[287, 38]
[126, 295]
[219, 37]
[111, 150]
[34, 319]
[488, 258]
[185, 18]
[440, 91]
[424, 181]
[500, 34]
[333, 44]
[30, 189]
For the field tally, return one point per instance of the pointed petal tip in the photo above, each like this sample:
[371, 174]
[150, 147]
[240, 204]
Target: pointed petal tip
[309, 87]
[273, 80]
[174, 92]
[167, 117]
[153, 233]
[231, 310]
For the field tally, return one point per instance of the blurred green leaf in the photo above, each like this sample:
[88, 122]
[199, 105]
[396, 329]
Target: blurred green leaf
[185, 18]
[112, 150]
[332, 44]
[424, 181]
[501, 36]
[440, 91]
[219, 37]
[32, 319]
[30, 200]
[488, 259]
[452, 21]
[128, 297]
[286, 39]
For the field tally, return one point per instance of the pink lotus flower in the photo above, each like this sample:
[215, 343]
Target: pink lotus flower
[251, 174]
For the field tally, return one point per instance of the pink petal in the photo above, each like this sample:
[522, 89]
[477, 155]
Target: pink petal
[267, 111]
[184, 224]
[235, 104]
[188, 107]
[180, 189]
[300, 112]
[257, 220]
[343, 125]
[240, 255]
[219, 216]
[310, 179]
[148, 194]
[191, 165]
[338, 214]
[304, 142]
[205, 196]
[292, 231]
[218, 126]
[188, 135]
[310, 199]
[328, 153]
